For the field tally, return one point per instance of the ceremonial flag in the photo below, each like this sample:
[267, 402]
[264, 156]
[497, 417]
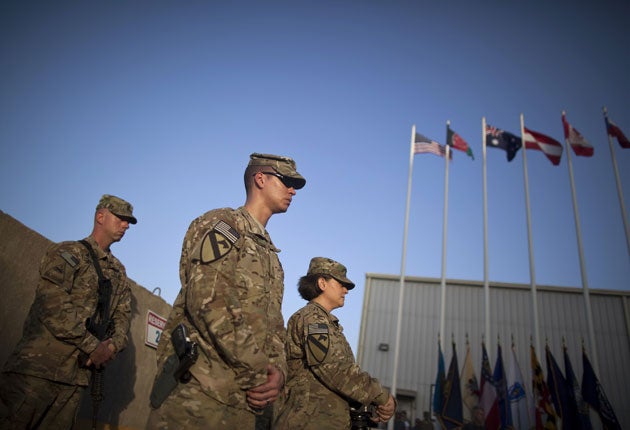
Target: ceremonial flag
[517, 394]
[456, 141]
[488, 396]
[424, 145]
[559, 393]
[583, 420]
[438, 394]
[452, 409]
[500, 382]
[580, 146]
[470, 386]
[614, 131]
[551, 147]
[496, 138]
[545, 415]
[593, 393]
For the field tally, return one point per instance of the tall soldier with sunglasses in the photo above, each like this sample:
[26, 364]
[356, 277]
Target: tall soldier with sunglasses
[221, 358]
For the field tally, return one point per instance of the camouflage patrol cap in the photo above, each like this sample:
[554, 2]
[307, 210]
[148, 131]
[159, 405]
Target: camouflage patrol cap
[118, 207]
[285, 166]
[326, 266]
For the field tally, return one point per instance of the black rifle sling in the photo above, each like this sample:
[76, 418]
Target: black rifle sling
[104, 287]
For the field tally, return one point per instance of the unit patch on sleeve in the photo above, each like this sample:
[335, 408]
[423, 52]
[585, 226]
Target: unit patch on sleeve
[318, 341]
[218, 242]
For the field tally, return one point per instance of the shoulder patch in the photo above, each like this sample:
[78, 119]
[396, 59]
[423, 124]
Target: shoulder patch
[70, 259]
[318, 341]
[218, 242]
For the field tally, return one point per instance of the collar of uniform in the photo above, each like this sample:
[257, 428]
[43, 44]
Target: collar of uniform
[257, 228]
[333, 318]
[100, 254]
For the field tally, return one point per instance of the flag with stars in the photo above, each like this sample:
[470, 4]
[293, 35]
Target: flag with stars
[425, 145]
[497, 138]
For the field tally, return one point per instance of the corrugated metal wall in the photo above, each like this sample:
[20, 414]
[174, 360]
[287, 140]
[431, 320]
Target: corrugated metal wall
[561, 316]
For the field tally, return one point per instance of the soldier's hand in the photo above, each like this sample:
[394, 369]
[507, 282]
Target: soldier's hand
[103, 354]
[386, 411]
[267, 393]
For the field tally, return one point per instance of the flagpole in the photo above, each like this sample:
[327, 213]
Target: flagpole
[532, 272]
[486, 283]
[624, 216]
[444, 229]
[402, 273]
[578, 231]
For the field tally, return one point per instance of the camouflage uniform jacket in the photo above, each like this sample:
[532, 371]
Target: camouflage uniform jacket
[323, 375]
[67, 293]
[230, 302]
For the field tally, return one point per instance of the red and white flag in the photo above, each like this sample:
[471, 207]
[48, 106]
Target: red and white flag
[551, 147]
[614, 131]
[580, 146]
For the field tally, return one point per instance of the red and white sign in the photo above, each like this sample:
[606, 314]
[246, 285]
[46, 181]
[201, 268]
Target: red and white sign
[155, 325]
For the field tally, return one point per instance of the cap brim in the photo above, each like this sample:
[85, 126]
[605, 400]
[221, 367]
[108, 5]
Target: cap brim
[345, 282]
[129, 219]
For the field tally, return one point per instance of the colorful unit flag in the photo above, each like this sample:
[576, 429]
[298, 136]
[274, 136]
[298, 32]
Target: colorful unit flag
[559, 392]
[544, 413]
[438, 394]
[451, 417]
[614, 131]
[469, 385]
[517, 394]
[593, 393]
[583, 420]
[580, 146]
[500, 382]
[488, 396]
[423, 145]
[455, 140]
[496, 138]
[551, 147]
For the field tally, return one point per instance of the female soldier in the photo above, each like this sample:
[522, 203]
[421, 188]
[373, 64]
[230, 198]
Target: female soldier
[324, 381]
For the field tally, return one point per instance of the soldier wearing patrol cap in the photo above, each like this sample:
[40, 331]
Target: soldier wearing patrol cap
[43, 379]
[324, 380]
[229, 308]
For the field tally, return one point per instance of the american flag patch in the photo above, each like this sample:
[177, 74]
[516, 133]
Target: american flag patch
[227, 231]
[317, 328]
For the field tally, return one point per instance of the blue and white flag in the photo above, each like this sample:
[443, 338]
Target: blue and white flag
[520, 400]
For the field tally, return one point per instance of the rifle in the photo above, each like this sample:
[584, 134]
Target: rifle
[102, 327]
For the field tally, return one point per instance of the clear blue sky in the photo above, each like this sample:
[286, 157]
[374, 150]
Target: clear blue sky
[161, 103]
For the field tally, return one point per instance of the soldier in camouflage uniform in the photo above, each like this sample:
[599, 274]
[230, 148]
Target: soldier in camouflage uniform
[324, 380]
[42, 380]
[230, 304]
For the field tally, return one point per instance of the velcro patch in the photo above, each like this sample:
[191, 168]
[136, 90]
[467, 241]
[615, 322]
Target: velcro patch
[70, 259]
[218, 242]
[318, 341]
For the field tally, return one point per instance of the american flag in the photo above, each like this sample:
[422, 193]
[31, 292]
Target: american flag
[424, 145]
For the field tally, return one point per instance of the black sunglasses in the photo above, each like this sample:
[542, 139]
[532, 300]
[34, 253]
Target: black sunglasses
[286, 181]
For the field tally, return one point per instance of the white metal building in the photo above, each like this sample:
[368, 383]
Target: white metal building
[561, 315]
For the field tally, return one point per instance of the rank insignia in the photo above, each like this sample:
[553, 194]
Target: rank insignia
[318, 341]
[218, 242]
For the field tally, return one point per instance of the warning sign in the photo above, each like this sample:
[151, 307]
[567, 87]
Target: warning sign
[155, 325]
